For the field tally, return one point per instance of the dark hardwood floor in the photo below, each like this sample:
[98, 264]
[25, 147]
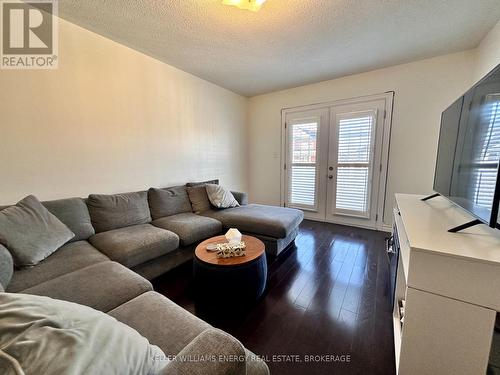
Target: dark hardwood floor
[327, 295]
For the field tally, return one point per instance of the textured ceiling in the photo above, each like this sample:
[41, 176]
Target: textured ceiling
[288, 42]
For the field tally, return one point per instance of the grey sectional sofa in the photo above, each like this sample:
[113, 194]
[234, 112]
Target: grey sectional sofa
[122, 241]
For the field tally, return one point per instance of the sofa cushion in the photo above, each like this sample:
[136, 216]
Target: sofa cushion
[255, 364]
[160, 320]
[189, 227]
[71, 257]
[110, 212]
[6, 267]
[102, 286]
[74, 213]
[215, 351]
[199, 199]
[137, 244]
[40, 335]
[277, 222]
[31, 232]
[173, 328]
[168, 201]
[201, 183]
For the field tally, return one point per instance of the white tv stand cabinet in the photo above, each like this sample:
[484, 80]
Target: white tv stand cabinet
[451, 286]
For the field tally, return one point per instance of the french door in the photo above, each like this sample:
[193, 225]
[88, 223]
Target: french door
[307, 137]
[336, 160]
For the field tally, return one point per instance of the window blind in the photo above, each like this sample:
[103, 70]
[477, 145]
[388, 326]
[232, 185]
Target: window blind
[355, 140]
[303, 185]
[352, 188]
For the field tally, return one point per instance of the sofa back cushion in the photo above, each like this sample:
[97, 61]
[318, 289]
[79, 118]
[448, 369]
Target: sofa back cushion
[6, 267]
[30, 232]
[168, 201]
[74, 213]
[199, 199]
[109, 212]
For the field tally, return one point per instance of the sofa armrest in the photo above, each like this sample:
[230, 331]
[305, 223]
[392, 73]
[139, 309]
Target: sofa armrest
[212, 352]
[242, 198]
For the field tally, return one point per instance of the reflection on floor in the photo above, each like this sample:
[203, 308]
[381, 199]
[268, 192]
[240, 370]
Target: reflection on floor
[328, 295]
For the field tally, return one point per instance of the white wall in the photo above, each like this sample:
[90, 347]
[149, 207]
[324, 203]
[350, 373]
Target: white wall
[423, 89]
[488, 53]
[111, 119]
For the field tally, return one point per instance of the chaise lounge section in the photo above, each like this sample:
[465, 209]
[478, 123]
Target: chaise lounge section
[277, 227]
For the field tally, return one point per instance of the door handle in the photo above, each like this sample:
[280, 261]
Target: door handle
[330, 176]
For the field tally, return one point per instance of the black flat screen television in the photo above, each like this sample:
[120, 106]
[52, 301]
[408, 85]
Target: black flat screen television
[467, 165]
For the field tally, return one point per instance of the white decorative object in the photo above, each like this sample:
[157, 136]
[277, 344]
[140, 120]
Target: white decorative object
[226, 250]
[212, 247]
[233, 236]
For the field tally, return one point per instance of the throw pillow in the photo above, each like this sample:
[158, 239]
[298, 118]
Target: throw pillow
[41, 335]
[220, 197]
[199, 199]
[31, 232]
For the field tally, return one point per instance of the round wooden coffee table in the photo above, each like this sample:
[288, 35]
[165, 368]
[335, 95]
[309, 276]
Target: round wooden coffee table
[230, 282]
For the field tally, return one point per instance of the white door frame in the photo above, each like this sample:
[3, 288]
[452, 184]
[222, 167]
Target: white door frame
[384, 164]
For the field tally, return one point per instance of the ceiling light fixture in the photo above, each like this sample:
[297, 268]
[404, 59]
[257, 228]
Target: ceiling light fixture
[253, 5]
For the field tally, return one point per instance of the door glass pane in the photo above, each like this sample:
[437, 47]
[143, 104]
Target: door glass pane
[303, 185]
[352, 188]
[304, 143]
[303, 166]
[354, 156]
[355, 136]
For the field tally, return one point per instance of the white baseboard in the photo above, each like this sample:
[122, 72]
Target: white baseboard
[385, 227]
